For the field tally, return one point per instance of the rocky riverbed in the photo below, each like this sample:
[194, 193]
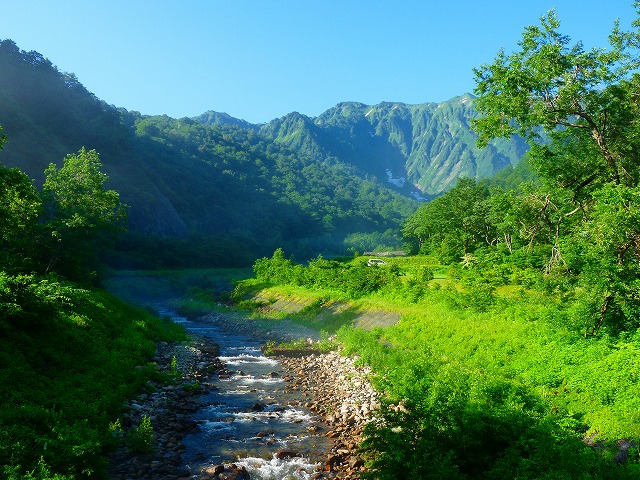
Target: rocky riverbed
[339, 391]
[331, 385]
[169, 406]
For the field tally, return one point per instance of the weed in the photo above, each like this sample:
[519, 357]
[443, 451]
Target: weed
[173, 367]
[141, 438]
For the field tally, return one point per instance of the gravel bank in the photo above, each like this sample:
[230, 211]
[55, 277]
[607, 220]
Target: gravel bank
[338, 390]
[169, 407]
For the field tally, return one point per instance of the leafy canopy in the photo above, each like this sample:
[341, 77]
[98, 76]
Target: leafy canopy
[583, 99]
[81, 215]
[20, 204]
[578, 110]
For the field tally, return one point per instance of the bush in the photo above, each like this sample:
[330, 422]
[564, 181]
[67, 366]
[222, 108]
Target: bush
[353, 279]
[59, 404]
[141, 438]
[454, 424]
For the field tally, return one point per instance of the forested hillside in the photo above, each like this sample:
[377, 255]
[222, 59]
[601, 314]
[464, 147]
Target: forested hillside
[419, 149]
[218, 190]
[199, 194]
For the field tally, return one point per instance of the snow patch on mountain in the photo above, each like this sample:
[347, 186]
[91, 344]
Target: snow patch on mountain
[418, 197]
[398, 182]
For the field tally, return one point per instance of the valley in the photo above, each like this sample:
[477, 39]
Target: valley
[439, 290]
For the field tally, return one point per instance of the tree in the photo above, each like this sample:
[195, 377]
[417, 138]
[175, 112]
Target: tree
[584, 101]
[453, 224]
[579, 111]
[609, 243]
[20, 209]
[81, 215]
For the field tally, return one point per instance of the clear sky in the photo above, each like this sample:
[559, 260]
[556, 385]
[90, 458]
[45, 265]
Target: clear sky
[261, 59]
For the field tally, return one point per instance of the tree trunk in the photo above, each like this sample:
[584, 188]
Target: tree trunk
[603, 313]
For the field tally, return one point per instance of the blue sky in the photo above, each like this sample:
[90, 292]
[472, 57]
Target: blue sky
[259, 60]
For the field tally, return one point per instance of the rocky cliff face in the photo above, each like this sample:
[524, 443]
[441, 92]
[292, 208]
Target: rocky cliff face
[423, 147]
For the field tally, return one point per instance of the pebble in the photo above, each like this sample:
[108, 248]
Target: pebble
[340, 391]
[166, 407]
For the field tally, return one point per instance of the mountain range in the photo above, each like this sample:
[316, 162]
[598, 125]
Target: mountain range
[214, 189]
[420, 149]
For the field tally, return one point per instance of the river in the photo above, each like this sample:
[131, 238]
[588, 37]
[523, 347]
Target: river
[251, 418]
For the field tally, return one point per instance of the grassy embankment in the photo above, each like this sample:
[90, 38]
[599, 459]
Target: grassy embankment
[69, 360]
[498, 376]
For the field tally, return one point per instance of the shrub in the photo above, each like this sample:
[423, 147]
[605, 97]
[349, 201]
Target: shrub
[141, 438]
[424, 274]
[356, 280]
[59, 416]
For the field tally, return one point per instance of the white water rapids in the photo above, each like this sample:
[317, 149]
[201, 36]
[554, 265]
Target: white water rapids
[250, 416]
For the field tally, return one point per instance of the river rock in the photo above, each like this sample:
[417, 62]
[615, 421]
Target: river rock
[339, 389]
[217, 470]
[285, 454]
[169, 407]
[233, 472]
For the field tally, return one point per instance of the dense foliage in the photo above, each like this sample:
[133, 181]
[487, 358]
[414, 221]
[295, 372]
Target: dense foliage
[200, 194]
[580, 225]
[355, 280]
[69, 354]
[69, 358]
[262, 195]
[487, 375]
[82, 217]
[64, 228]
[485, 396]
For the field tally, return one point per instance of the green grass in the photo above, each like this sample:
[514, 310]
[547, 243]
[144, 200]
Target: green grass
[69, 359]
[511, 354]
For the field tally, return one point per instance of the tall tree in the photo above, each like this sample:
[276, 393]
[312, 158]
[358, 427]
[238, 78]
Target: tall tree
[585, 101]
[20, 209]
[586, 105]
[81, 215]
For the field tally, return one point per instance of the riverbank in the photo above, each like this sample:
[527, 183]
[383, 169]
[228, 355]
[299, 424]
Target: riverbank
[331, 386]
[339, 391]
[156, 453]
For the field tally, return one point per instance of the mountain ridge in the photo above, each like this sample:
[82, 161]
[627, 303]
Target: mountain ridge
[219, 189]
[429, 144]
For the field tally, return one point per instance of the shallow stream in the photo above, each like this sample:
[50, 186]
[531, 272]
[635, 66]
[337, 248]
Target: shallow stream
[249, 418]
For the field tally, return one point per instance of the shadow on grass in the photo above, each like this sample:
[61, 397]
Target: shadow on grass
[442, 421]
